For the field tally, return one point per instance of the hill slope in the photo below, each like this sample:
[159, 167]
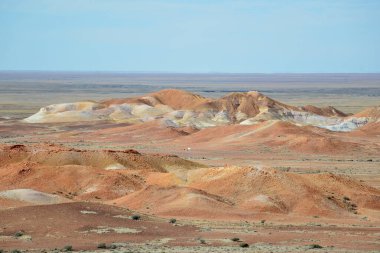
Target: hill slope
[177, 108]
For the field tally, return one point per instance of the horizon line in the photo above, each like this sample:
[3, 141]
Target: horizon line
[175, 72]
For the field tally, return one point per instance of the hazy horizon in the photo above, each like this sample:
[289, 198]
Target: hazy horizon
[173, 72]
[23, 93]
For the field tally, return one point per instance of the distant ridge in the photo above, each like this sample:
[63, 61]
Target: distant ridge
[178, 108]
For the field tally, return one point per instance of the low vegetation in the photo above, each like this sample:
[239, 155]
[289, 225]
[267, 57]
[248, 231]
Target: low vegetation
[136, 217]
[19, 234]
[244, 245]
[102, 246]
[68, 248]
[315, 246]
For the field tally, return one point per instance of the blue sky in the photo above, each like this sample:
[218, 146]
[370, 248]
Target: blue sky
[191, 36]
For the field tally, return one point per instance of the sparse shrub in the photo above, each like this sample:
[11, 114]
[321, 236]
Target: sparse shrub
[263, 221]
[16, 251]
[315, 246]
[102, 245]
[202, 241]
[19, 234]
[1, 251]
[172, 221]
[105, 246]
[235, 239]
[244, 245]
[68, 248]
[136, 217]
[345, 198]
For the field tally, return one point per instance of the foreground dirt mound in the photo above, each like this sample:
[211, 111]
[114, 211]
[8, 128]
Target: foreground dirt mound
[54, 155]
[276, 191]
[177, 201]
[81, 174]
[215, 193]
[171, 186]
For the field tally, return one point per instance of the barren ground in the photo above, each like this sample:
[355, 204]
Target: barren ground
[74, 214]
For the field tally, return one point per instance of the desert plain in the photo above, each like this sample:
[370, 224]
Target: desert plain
[189, 163]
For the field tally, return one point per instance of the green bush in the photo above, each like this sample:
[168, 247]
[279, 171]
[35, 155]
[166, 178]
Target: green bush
[172, 221]
[235, 239]
[15, 251]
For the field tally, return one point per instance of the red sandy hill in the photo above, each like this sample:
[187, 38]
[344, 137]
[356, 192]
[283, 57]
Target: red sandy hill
[171, 186]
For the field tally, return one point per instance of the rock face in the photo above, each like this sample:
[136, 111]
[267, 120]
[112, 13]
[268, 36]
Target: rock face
[176, 108]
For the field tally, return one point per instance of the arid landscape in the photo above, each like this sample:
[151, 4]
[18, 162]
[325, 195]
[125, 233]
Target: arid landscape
[173, 170]
[169, 126]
